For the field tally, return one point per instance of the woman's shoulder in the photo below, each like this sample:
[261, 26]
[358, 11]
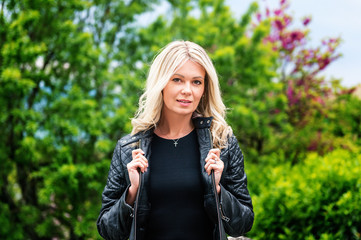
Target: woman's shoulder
[232, 142]
[130, 139]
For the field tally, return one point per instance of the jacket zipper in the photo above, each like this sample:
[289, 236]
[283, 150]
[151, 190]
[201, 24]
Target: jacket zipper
[215, 192]
[136, 199]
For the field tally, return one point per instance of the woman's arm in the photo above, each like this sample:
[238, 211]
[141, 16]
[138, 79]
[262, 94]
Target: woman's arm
[115, 219]
[236, 203]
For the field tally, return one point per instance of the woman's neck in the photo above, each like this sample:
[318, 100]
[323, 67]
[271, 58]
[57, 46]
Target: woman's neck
[173, 128]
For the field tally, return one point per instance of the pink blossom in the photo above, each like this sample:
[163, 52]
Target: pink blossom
[289, 40]
[306, 21]
[292, 100]
[287, 19]
[287, 45]
[319, 100]
[283, 2]
[278, 12]
[323, 62]
[267, 12]
[259, 17]
[300, 82]
[279, 24]
[296, 35]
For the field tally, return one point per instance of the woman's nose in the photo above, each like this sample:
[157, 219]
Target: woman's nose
[186, 89]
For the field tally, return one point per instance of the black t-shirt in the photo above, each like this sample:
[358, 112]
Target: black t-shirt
[176, 191]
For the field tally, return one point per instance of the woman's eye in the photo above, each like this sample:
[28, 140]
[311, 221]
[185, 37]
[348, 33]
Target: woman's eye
[176, 80]
[197, 82]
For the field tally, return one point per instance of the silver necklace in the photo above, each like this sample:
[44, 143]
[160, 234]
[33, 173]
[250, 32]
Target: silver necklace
[175, 142]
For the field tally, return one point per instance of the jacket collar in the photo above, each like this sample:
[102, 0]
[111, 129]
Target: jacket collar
[198, 122]
[202, 122]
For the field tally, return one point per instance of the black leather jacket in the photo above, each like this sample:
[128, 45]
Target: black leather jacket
[231, 211]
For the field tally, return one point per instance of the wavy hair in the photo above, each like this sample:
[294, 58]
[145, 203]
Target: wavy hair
[164, 65]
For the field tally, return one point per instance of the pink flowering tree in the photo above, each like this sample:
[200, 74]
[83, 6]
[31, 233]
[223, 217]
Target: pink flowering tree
[301, 65]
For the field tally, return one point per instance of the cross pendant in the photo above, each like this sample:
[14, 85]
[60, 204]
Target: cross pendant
[175, 144]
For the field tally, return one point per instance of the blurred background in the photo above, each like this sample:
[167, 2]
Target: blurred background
[71, 73]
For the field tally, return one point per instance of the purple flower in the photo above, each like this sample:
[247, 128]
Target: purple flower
[259, 17]
[306, 21]
[278, 12]
[287, 19]
[323, 62]
[292, 100]
[289, 40]
[279, 24]
[297, 35]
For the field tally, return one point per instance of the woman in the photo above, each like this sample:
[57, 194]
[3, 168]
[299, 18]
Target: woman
[180, 173]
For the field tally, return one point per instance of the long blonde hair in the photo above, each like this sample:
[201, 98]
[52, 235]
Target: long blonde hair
[164, 65]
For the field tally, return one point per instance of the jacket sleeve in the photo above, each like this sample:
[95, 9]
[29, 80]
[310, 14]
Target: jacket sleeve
[236, 203]
[115, 219]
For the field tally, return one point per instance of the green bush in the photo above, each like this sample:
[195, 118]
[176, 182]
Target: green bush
[319, 198]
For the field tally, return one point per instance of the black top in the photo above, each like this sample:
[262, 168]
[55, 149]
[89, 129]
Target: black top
[176, 191]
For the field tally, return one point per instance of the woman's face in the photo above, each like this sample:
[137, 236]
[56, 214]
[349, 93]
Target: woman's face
[184, 90]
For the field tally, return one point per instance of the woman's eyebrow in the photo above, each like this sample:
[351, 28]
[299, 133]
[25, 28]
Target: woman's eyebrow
[184, 77]
[179, 75]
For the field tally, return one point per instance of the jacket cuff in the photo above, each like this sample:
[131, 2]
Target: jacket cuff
[125, 205]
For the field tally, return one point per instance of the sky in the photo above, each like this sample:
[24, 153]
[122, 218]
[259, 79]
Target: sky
[330, 18]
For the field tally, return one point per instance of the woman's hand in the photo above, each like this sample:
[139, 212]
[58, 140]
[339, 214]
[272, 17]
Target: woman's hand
[213, 162]
[138, 162]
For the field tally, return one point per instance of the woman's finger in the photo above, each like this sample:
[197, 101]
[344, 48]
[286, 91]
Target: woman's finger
[139, 161]
[134, 165]
[139, 154]
[136, 152]
[216, 167]
[215, 151]
[140, 157]
[209, 162]
[212, 156]
[213, 164]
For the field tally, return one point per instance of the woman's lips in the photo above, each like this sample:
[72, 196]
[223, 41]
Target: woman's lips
[184, 102]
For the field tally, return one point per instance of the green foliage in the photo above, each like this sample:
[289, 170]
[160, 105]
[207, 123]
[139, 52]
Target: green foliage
[317, 199]
[62, 109]
[347, 106]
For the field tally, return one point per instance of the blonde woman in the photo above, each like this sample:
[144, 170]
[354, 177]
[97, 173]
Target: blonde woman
[180, 173]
